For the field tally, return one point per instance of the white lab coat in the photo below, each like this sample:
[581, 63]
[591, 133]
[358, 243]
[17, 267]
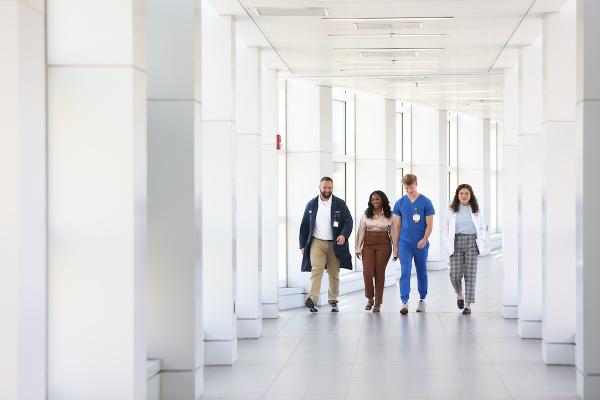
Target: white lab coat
[450, 230]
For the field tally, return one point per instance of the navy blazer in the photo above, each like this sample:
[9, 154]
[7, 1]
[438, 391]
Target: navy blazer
[339, 213]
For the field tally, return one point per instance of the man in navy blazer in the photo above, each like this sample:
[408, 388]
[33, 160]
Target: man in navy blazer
[324, 232]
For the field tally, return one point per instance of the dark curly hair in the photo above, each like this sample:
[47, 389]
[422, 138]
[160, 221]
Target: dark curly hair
[472, 202]
[385, 204]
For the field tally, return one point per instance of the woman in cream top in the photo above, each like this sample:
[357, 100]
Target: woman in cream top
[374, 246]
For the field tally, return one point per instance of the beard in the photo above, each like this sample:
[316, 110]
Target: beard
[326, 195]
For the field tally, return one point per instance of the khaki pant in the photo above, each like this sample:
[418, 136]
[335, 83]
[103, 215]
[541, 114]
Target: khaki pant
[321, 254]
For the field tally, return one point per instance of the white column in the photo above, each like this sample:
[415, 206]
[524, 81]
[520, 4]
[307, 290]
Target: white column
[247, 179]
[96, 199]
[588, 197]
[474, 158]
[375, 148]
[23, 201]
[269, 181]
[430, 164]
[510, 196]
[174, 310]
[219, 249]
[309, 146]
[530, 191]
[559, 167]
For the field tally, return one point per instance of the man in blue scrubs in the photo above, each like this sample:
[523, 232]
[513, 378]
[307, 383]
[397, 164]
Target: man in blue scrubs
[413, 223]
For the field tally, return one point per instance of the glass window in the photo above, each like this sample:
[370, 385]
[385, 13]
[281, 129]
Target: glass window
[339, 179]
[452, 137]
[282, 221]
[493, 178]
[399, 136]
[399, 187]
[338, 126]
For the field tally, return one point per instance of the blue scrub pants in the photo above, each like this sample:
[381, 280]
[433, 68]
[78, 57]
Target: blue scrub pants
[407, 253]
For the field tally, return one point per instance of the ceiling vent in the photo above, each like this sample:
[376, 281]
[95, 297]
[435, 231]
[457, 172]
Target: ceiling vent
[291, 12]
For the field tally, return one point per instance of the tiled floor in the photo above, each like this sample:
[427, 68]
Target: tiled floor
[355, 354]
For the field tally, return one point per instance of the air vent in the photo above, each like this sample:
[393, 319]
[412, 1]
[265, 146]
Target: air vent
[291, 12]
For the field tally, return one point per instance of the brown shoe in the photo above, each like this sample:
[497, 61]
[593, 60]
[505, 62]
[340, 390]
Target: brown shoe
[369, 305]
[376, 308]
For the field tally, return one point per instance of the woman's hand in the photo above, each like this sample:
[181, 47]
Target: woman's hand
[395, 255]
[421, 244]
[358, 255]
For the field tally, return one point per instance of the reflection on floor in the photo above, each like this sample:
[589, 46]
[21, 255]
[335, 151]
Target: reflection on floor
[356, 354]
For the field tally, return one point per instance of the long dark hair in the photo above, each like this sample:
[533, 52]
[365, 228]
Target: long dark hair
[472, 202]
[385, 204]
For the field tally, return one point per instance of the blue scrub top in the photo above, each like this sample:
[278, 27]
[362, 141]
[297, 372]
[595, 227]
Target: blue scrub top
[413, 231]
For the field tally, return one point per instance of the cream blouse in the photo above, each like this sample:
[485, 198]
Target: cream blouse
[377, 223]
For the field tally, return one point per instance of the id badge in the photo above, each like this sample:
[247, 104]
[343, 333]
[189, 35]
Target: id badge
[417, 218]
[336, 224]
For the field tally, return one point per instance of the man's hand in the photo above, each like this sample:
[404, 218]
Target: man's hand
[302, 251]
[340, 240]
[421, 244]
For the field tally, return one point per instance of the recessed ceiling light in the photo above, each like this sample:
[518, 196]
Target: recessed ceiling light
[385, 35]
[385, 19]
[290, 12]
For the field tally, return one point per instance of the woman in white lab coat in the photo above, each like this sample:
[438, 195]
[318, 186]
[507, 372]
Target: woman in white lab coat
[465, 231]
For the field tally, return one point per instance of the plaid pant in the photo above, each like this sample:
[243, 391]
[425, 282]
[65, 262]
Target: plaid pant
[463, 262]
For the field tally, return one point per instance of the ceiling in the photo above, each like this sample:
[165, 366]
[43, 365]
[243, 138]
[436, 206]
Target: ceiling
[455, 63]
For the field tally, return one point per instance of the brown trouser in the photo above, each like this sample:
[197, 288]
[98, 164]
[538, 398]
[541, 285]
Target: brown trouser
[376, 252]
[321, 255]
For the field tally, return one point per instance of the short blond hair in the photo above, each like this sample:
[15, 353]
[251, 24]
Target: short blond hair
[409, 180]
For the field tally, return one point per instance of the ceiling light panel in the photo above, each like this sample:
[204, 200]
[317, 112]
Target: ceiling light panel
[365, 26]
[386, 19]
[290, 12]
[390, 35]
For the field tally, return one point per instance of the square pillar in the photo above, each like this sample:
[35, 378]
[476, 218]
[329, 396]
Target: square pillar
[219, 248]
[309, 158]
[559, 208]
[247, 181]
[588, 197]
[269, 182]
[530, 191]
[174, 311]
[510, 196]
[23, 200]
[430, 164]
[97, 247]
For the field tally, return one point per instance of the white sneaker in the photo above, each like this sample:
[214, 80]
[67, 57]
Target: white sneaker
[404, 309]
[422, 306]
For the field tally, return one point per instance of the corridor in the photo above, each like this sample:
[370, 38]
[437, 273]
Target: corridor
[360, 355]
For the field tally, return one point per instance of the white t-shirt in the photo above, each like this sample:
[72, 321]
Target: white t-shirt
[323, 222]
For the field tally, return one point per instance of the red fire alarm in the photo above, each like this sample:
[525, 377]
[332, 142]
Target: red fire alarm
[278, 141]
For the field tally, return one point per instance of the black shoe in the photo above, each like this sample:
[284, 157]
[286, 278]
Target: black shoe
[467, 311]
[460, 304]
[311, 305]
[334, 306]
